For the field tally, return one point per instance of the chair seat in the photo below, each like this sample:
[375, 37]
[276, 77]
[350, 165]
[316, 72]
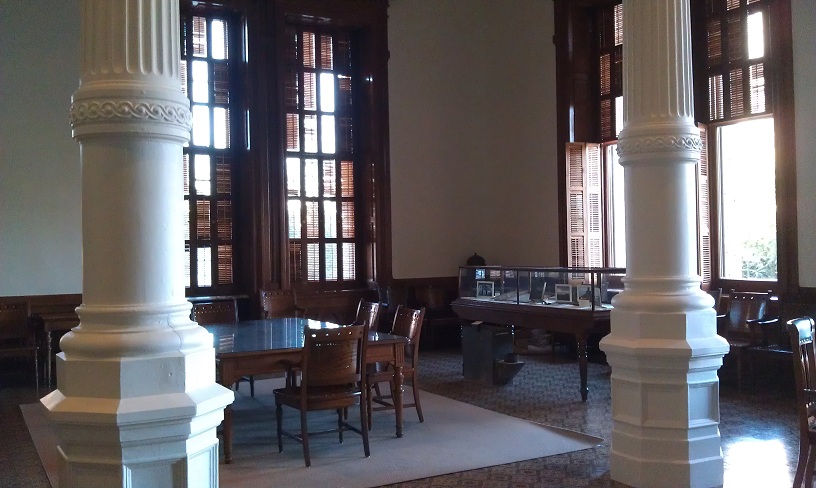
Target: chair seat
[772, 350]
[9, 351]
[340, 394]
[738, 343]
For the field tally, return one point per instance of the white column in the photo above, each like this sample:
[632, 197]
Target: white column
[137, 404]
[663, 349]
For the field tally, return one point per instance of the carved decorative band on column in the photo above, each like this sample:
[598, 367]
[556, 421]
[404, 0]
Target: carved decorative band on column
[661, 144]
[119, 110]
[166, 116]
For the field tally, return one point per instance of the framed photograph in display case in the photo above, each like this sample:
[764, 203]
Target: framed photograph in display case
[484, 289]
[563, 293]
[583, 295]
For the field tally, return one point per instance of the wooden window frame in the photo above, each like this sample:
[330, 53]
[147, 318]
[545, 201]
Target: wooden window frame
[779, 101]
[259, 182]
[578, 112]
[222, 231]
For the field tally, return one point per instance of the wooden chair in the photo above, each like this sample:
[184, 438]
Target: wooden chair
[368, 313]
[742, 325]
[407, 323]
[330, 373]
[804, 360]
[221, 312]
[17, 337]
[280, 303]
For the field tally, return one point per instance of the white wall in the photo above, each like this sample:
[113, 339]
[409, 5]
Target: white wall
[804, 62]
[473, 144]
[472, 138]
[40, 196]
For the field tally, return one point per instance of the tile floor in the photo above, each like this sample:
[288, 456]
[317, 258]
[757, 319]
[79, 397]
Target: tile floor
[758, 427]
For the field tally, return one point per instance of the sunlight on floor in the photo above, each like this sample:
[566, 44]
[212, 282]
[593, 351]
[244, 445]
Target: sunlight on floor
[757, 462]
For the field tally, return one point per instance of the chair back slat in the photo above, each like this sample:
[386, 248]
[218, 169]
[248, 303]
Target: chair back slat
[333, 357]
[279, 303]
[368, 313]
[408, 323]
[745, 306]
[222, 312]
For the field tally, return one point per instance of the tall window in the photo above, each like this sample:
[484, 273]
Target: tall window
[595, 213]
[301, 206]
[610, 70]
[209, 52]
[738, 51]
[741, 119]
[320, 156]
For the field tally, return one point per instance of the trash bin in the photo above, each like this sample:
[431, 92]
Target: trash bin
[487, 354]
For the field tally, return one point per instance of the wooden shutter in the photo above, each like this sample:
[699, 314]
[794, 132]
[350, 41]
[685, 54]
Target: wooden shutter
[584, 204]
[703, 212]
[737, 84]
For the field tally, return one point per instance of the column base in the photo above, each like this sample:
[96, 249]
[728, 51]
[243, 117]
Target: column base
[665, 399]
[133, 422]
[647, 474]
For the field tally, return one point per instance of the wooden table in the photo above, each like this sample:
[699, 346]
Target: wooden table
[565, 318]
[258, 346]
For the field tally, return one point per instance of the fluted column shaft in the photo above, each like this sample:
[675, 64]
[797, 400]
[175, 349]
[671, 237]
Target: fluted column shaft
[137, 403]
[663, 347]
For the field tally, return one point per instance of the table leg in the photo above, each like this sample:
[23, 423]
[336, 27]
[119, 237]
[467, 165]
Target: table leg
[581, 339]
[227, 425]
[398, 378]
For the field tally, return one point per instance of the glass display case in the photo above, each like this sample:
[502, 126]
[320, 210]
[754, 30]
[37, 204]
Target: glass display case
[586, 288]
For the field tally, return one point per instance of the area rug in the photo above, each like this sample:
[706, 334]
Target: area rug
[455, 437]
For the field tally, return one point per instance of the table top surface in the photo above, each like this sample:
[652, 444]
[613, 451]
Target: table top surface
[278, 334]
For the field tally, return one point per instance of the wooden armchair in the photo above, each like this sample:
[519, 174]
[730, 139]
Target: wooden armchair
[742, 325]
[17, 337]
[407, 323]
[804, 361]
[330, 374]
[280, 303]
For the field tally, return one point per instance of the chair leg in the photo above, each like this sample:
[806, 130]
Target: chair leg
[365, 421]
[304, 436]
[252, 386]
[279, 419]
[340, 424]
[804, 449]
[415, 388]
[811, 461]
[368, 402]
[36, 371]
[739, 371]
